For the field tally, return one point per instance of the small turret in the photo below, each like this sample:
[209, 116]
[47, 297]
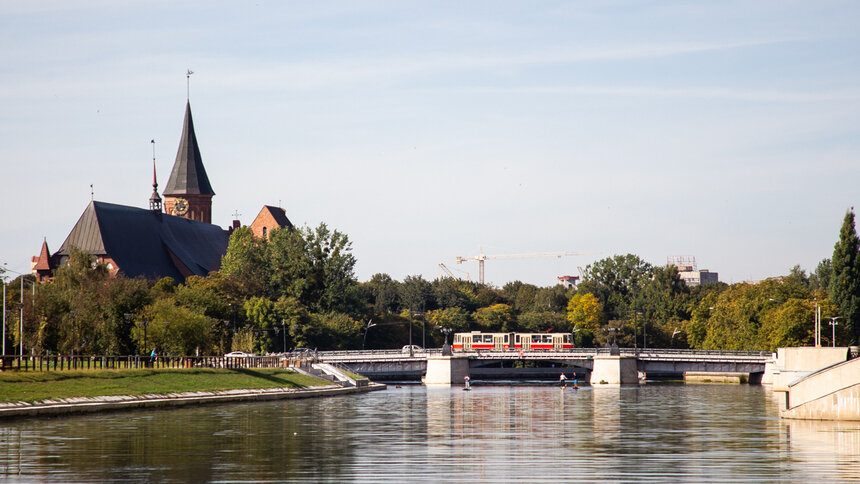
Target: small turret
[155, 198]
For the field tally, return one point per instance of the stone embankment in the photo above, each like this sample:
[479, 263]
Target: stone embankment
[127, 402]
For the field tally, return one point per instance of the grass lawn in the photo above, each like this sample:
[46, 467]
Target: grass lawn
[35, 387]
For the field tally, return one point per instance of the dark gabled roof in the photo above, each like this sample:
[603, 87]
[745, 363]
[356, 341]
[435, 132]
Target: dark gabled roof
[148, 243]
[188, 176]
[279, 215]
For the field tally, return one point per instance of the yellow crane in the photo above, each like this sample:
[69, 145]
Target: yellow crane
[481, 257]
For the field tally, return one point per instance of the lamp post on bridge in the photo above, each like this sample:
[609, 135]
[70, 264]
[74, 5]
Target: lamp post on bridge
[370, 324]
[833, 325]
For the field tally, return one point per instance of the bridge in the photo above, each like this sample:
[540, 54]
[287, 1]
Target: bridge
[490, 364]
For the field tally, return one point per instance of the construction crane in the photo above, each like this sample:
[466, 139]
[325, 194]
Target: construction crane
[451, 274]
[481, 257]
[447, 271]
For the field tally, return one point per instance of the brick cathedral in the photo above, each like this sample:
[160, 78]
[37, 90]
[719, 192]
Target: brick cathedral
[175, 238]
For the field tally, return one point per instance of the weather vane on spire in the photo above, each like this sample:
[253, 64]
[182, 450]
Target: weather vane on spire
[188, 83]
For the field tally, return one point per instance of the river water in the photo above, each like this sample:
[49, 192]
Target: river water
[494, 433]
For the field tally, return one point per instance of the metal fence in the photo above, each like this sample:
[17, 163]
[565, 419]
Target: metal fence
[97, 362]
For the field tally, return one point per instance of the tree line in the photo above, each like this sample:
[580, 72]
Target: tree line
[297, 288]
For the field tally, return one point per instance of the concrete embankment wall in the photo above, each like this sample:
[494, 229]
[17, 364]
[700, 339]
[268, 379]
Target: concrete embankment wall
[793, 364]
[114, 403]
[832, 393]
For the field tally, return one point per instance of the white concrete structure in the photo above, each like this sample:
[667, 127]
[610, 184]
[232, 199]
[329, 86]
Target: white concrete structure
[794, 363]
[832, 393]
[446, 370]
[614, 370]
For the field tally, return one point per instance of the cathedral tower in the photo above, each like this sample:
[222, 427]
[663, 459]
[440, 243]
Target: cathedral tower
[188, 192]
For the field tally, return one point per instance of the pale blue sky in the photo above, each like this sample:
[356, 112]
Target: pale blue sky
[725, 130]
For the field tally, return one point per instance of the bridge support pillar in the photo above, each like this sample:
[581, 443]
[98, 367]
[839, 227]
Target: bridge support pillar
[446, 370]
[615, 370]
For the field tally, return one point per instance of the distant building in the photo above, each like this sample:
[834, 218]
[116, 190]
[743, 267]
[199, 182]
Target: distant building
[689, 273]
[569, 282]
[268, 219]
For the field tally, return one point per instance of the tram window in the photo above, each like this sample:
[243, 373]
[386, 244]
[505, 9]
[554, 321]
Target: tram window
[547, 338]
[517, 339]
[506, 339]
[476, 338]
[535, 338]
[567, 338]
[488, 338]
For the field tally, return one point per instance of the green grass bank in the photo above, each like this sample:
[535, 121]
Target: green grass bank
[37, 387]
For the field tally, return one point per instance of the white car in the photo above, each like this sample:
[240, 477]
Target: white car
[238, 354]
[411, 349]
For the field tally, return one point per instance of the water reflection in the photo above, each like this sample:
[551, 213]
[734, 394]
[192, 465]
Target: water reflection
[494, 433]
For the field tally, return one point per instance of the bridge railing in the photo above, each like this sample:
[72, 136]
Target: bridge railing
[581, 352]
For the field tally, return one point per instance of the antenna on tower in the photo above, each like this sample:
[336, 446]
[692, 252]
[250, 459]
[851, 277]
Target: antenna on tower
[188, 84]
[92, 193]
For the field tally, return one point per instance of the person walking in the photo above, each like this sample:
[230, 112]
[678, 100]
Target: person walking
[563, 379]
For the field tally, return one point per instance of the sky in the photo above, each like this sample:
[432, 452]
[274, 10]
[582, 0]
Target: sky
[724, 130]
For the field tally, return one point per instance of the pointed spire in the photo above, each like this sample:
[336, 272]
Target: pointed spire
[154, 199]
[188, 176]
[44, 262]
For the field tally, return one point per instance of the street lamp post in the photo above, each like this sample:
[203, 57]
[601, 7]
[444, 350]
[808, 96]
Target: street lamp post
[644, 333]
[636, 331]
[3, 277]
[21, 306]
[144, 322]
[370, 324]
[833, 325]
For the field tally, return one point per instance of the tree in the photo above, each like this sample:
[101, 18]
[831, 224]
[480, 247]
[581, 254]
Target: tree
[383, 293]
[289, 264]
[245, 263]
[820, 279]
[585, 311]
[331, 281]
[456, 318]
[540, 321]
[845, 276]
[415, 293]
[495, 318]
[616, 281]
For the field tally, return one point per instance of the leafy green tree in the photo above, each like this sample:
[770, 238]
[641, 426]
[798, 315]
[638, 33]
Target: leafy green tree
[177, 330]
[495, 318]
[415, 294]
[539, 321]
[331, 281]
[616, 281]
[382, 290]
[845, 276]
[246, 263]
[456, 318]
[520, 295]
[450, 293]
[289, 264]
[553, 298]
[820, 279]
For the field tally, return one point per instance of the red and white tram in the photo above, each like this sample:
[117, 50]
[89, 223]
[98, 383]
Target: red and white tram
[477, 340]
